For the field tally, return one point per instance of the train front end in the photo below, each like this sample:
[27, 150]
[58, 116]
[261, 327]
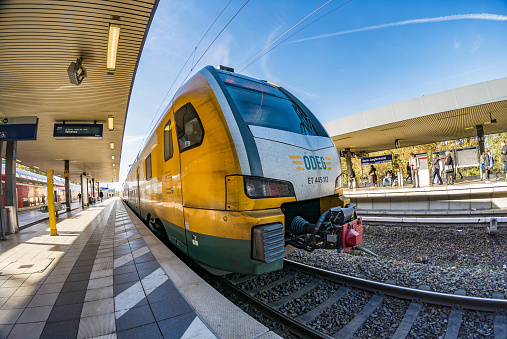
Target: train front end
[289, 192]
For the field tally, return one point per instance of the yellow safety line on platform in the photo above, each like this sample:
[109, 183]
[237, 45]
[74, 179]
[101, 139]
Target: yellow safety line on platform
[51, 204]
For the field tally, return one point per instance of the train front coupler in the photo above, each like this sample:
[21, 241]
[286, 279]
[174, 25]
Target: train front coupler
[338, 228]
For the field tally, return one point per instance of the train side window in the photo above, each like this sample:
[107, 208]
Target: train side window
[148, 167]
[18, 178]
[23, 177]
[188, 127]
[168, 141]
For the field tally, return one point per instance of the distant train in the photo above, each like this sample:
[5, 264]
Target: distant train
[236, 170]
[32, 190]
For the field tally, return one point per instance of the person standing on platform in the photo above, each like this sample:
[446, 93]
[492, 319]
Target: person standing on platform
[491, 163]
[79, 196]
[409, 172]
[484, 161]
[372, 176]
[504, 156]
[436, 170]
[414, 168]
[101, 195]
[449, 168]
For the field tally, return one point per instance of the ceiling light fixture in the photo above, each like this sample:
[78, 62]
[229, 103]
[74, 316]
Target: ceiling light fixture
[111, 145]
[112, 157]
[110, 122]
[114, 165]
[112, 46]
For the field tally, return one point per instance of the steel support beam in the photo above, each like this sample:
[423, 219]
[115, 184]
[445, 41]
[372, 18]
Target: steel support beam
[67, 185]
[11, 198]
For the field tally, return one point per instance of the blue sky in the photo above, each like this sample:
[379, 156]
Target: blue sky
[364, 55]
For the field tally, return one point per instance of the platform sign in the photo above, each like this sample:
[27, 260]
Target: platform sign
[467, 157]
[78, 131]
[18, 128]
[377, 160]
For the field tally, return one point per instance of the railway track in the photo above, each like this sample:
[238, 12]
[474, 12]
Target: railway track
[303, 324]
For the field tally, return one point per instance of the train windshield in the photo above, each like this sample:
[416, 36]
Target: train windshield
[265, 105]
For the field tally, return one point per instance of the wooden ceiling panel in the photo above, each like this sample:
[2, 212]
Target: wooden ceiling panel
[38, 41]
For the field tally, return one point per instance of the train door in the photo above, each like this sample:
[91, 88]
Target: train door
[138, 192]
[170, 211]
[190, 135]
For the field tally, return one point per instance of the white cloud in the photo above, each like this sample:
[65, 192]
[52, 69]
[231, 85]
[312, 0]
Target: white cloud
[264, 60]
[129, 140]
[477, 43]
[456, 43]
[478, 16]
[219, 54]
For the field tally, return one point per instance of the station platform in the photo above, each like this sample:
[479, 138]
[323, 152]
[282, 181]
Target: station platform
[106, 275]
[466, 195]
[32, 216]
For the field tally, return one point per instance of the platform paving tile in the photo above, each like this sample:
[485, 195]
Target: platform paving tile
[56, 278]
[9, 316]
[97, 326]
[100, 282]
[134, 317]
[3, 301]
[99, 293]
[43, 300]
[35, 314]
[101, 273]
[65, 312]
[7, 292]
[26, 290]
[173, 306]
[125, 269]
[147, 331]
[26, 331]
[68, 298]
[126, 278]
[5, 330]
[60, 329]
[16, 302]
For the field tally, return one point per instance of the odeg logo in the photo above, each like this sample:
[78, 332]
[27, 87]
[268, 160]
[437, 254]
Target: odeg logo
[314, 162]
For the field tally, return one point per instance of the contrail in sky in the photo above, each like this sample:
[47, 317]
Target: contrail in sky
[479, 16]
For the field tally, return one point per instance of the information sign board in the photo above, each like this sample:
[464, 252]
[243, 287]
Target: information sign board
[467, 157]
[18, 128]
[78, 131]
[377, 160]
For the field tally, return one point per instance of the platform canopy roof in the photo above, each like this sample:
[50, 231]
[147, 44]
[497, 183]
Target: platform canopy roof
[38, 41]
[447, 115]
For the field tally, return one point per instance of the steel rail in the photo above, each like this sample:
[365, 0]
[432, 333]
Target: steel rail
[434, 220]
[292, 324]
[437, 298]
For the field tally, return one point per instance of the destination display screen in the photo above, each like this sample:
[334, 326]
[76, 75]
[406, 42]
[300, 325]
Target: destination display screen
[78, 131]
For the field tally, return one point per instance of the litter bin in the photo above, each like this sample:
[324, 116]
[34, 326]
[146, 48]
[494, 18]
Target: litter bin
[11, 220]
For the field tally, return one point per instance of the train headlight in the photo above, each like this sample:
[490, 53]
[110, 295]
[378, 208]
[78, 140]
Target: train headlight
[267, 188]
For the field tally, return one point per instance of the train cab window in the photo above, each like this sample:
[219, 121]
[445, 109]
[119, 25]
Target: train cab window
[18, 178]
[188, 127]
[23, 179]
[261, 104]
[168, 141]
[148, 167]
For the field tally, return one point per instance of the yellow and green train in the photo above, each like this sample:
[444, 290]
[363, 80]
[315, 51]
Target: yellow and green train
[236, 170]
